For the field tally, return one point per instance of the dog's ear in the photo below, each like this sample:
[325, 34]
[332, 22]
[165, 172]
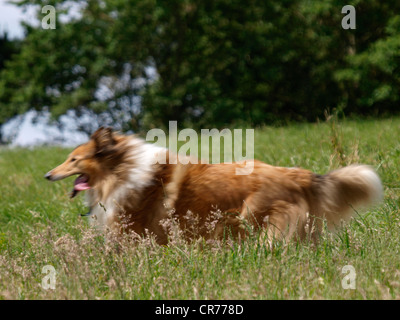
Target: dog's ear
[104, 140]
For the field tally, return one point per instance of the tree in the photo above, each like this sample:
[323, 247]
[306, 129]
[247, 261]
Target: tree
[8, 48]
[67, 69]
[138, 64]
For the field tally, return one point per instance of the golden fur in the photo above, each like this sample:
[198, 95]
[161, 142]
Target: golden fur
[126, 185]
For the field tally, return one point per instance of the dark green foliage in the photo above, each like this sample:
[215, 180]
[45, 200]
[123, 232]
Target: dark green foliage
[8, 48]
[219, 63]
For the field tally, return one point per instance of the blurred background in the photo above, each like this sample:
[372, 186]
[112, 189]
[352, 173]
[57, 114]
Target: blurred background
[136, 65]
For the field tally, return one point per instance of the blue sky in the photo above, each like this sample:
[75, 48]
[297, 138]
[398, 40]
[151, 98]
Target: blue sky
[11, 17]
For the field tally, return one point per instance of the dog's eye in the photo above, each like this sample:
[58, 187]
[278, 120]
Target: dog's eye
[73, 159]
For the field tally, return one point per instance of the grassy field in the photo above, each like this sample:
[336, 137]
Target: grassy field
[40, 226]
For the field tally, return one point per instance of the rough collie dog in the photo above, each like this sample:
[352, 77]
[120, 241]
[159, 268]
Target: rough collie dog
[123, 181]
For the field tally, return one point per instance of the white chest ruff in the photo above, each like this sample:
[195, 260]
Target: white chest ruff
[100, 214]
[140, 175]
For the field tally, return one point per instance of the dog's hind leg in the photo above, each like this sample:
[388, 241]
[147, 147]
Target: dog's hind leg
[281, 220]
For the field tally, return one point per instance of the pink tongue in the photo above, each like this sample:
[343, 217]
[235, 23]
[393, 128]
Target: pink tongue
[81, 183]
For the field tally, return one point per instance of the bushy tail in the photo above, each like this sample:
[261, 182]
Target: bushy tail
[341, 192]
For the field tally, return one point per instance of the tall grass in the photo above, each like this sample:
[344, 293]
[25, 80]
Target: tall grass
[40, 226]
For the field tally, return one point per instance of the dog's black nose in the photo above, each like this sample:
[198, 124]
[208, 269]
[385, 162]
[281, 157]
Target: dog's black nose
[48, 176]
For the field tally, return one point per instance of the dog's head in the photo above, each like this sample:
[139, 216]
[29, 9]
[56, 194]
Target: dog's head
[90, 161]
